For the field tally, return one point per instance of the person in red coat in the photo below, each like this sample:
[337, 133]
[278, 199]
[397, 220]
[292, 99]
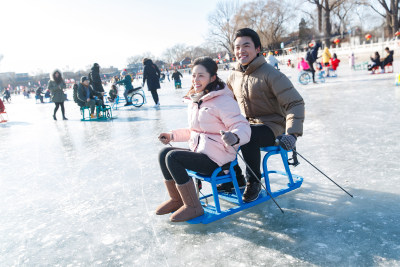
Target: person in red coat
[334, 62]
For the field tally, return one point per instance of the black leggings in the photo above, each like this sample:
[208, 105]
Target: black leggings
[261, 136]
[312, 70]
[58, 104]
[154, 94]
[174, 162]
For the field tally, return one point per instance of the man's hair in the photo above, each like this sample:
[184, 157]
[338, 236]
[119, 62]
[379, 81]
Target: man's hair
[249, 33]
[387, 48]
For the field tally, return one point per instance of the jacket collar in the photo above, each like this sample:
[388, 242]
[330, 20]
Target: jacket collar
[254, 65]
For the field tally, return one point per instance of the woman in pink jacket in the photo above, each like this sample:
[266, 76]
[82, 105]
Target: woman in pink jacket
[215, 124]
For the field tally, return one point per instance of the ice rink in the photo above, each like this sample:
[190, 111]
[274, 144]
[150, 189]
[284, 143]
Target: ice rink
[78, 193]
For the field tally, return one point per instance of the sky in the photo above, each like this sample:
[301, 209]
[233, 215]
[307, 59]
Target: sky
[41, 35]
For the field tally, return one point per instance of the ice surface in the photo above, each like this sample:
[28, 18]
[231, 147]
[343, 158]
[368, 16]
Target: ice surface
[84, 193]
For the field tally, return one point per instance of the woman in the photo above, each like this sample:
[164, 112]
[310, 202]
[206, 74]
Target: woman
[376, 61]
[56, 86]
[151, 73]
[215, 124]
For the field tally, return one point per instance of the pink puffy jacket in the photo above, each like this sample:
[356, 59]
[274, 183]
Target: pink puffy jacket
[218, 111]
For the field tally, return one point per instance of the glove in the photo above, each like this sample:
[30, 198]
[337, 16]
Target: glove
[287, 141]
[229, 138]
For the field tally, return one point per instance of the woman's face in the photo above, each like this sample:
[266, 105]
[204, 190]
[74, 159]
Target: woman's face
[201, 78]
[56, 74]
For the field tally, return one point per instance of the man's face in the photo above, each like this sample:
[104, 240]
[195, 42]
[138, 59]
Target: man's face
[86, 83]
[245, 51]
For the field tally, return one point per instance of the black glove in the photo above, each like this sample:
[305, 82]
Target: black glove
[287, 141]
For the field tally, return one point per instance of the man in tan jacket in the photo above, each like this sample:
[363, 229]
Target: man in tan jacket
[268, 100]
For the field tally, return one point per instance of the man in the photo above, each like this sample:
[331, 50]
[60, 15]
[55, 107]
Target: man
[87, 95]
[311, 57]
[268, 100]
[39, 94]
[177, 77]
[388, 59]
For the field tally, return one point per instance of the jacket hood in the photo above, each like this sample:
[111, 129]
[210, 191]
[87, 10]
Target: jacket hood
[95, 67]
[53, 73]
[326, 49]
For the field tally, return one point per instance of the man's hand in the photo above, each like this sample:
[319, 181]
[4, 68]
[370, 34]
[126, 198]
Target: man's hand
[229, 138]
[88, 100]
[287, 141]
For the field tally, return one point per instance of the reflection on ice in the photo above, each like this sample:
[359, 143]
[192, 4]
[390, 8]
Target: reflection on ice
[84, 193]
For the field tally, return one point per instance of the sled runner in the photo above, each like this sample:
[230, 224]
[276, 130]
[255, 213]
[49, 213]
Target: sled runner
[214, 213]
[102, 113]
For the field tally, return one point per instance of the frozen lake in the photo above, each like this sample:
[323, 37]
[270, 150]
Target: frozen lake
[78, 193]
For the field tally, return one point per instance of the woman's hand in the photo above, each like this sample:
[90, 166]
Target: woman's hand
[165, 138]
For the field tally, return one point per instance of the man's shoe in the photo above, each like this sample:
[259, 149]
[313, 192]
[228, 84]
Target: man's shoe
[228, 187]
[92, 116]
[128, 104]
[65, 118]
[251, 192]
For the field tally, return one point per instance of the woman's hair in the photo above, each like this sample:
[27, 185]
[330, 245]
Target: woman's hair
[377, 54]
[212, 68]
[58, 79]
[113, 86]
[334, 55]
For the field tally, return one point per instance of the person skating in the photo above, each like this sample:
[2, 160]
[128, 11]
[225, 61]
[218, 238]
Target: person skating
[268, 100]
[311, 57]
[126, 80]
[151, 73]
[7, 95]
[176, 76]
[87, 95]
[56, 86]
[212, 109]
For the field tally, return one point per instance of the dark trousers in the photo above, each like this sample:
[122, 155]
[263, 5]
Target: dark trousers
[154, 94]
[312, 70]
[174, 162]
[93, 103]
[58, 104]
[261, 136]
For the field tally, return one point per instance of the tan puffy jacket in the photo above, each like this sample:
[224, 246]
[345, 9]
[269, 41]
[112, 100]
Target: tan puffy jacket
[266, 96]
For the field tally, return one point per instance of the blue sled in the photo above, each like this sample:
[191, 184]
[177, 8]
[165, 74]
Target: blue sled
[214, 213]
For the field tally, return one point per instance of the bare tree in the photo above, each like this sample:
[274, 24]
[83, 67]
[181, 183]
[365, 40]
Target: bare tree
[391, 14]
[268, 18]
[324, 9]
[343, 12]
[175, 53]
[138, 58]
[223, 24]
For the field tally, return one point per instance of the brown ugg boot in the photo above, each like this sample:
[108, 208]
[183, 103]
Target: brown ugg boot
[175, 201]
[191, 204]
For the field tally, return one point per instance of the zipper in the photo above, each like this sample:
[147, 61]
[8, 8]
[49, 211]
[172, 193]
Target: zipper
[212, 139]
[198, 141]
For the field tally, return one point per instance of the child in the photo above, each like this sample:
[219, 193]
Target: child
[334, 63]
[113, 93]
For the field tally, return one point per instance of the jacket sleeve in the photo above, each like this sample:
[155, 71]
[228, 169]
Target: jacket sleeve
[290, 100]
[144, 74]
[80, 94]
[181, 135]
[235, 122]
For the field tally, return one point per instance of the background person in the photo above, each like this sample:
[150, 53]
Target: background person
[87, 95]
[151, 74]
[56, 86]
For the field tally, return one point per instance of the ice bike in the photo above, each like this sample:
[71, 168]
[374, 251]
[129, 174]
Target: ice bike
[305, 77]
